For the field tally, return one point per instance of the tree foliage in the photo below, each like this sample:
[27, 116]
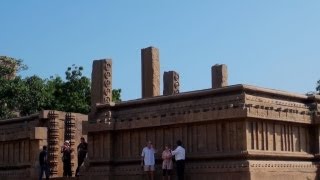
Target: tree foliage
[72, 95]
[116, 95]
[21, 96]
[10, 66]
[318, 86]
[25, 96]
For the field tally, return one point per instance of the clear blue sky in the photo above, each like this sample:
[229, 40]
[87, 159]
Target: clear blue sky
[274, 44]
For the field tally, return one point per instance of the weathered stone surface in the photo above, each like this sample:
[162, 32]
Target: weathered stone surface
[21, 140]
[39, 133]
[219, 76]
[237, 132]
[150, 72]
[171, 83]
[269, 170]
[101, 85]
[224, 131]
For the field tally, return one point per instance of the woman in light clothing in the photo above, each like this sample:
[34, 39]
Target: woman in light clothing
[167, 164]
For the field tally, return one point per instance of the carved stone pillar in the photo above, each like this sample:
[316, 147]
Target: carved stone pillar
[101, 86]
[171, 84]
[53, 143]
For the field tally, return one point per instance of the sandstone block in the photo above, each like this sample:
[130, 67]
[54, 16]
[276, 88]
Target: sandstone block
[101, 85]
[39, 133]
[150, 72]
[171, 84]
[219, 74]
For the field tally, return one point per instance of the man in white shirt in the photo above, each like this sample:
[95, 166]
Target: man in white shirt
[148, 160]
[180, 156]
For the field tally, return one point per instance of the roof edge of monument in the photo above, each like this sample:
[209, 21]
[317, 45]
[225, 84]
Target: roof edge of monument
[241, 88]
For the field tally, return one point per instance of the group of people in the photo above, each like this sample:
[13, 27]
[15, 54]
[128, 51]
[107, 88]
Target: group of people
[66, 151]
[148, 160]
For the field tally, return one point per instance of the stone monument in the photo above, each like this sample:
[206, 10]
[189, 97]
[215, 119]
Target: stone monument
[229, 131]
[150, 72]
[171, 83]
[219, 75]
[22, 139]
[101, 87]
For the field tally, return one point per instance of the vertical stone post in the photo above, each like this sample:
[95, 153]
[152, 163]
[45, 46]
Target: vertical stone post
[219, 74]
[38, 138]
[171, 84]
[150, 72]
[53, 144]
[69, 134]
[101, 85]
[316, 118]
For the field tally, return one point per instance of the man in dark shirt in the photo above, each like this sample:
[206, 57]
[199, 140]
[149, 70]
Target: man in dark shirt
[66, 159]
[82, 153]
[44, 163]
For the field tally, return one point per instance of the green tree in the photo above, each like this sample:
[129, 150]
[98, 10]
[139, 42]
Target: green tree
[73, 95]
[318, 86]
[116, 95]
[25, 96]
[5, 111]
[10, 85]
[35, 95]
[10, 66]
[55, 90]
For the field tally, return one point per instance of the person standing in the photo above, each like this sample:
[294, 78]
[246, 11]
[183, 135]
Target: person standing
[66, 159]
[44, 163]
[148, 160]
[167, 163]
[180, 155]
[82, 153]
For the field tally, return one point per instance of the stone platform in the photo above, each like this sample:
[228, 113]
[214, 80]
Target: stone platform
[22, 139]
[238, 132]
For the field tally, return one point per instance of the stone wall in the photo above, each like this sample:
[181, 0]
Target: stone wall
[235, 132]
[229, 132]
[22, 139]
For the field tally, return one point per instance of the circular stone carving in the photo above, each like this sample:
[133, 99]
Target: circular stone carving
[107, 75]
[107, 99]
[107, 66]
[176, 77]
[107, 83]
[176, 84]
[107, 91]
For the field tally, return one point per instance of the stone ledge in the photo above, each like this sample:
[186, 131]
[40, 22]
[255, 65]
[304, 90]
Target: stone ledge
[39, 133]
[15, 166]
[276, 155]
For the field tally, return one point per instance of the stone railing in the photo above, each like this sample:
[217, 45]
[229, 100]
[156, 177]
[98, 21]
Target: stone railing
[231, 132]
[22, 139]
